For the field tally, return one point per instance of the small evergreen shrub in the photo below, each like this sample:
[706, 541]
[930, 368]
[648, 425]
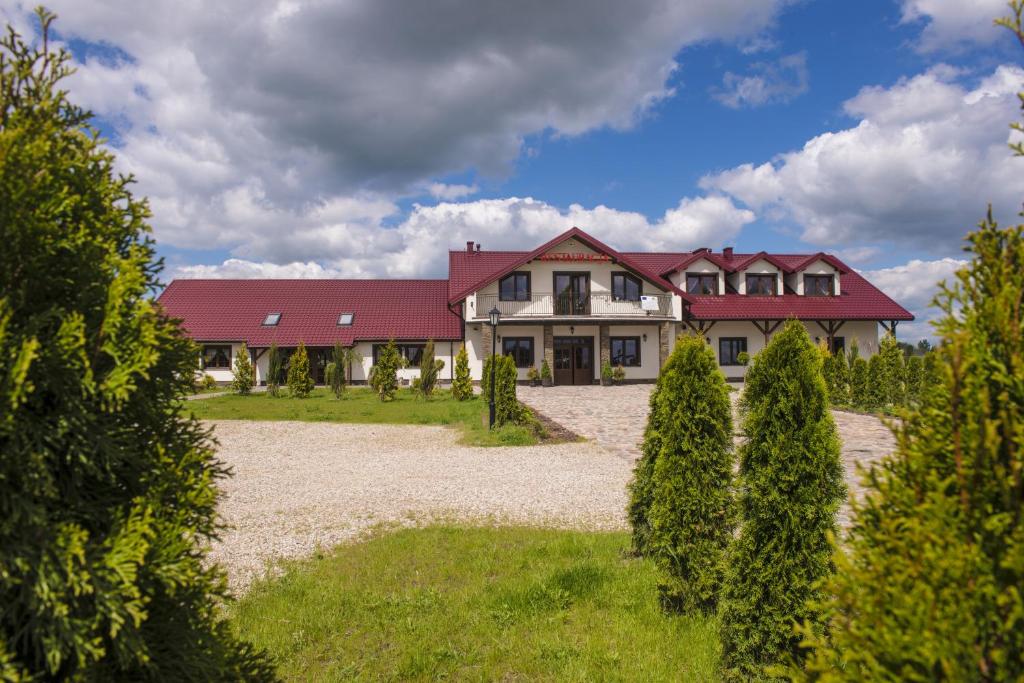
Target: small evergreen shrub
[243, 373]
[791, 483]
[384, 374]
[545, 370]
[743, 358]
[641, 488]
[606, 373]
[335, 371]
[300, 383]
[619, 374]
[690, 516]
[915, 380]
[462, 385]
[208, 382]
[837, 378]
[275, 365]
[893, 372]
[877, 390]
[430, 370]
[507, 409]
[859, 377]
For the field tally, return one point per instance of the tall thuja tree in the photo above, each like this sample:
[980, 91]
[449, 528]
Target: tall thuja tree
[384, 373]
[791, 480]
[242, 380]
[274, 368]
[507, 409]
[690, 515]
[430, 369]
[335, 371]
[641, 488]
[915, 379]
[876, 393]
[931, 578]
[107, 486]
[860, 393]
[893, 371]
[300, 382]
[462, 385]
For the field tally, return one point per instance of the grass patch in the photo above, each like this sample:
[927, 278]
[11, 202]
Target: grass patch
[476, 604]
[358, 405]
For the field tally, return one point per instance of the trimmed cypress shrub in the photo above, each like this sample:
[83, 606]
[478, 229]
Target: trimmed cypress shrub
[877, 388]
[859, 378]
[274, 369]
[485, 379]
[893, 373]
[242, 380]
[507, 409]
[108, 487]
[690, 516]
[384, 373]
[791, 479]
[300, 383]
[929, 585]
[835, 371]
[335, 371]
[915, 380]
[462, 385]
[430, 368]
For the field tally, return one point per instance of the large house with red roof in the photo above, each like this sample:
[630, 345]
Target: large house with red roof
[573, 301]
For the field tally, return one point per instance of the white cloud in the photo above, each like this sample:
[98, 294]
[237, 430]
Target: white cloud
[284, 132]
[919, 167]
[949, 24]
[418, 246]
[767, 83]
[914, 285]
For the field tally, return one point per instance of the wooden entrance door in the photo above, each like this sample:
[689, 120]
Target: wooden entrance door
[574, 360]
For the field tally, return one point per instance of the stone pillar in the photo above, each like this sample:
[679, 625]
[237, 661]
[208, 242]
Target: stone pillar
[486, 334]
[604, 347]
[549, 346]
[664, 338]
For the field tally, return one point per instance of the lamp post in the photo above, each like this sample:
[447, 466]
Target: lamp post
[495, 316]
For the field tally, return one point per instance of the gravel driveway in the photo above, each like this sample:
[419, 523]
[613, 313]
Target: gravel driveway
[300, 485]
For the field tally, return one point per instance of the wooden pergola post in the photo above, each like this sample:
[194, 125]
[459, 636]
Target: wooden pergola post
[767, 328]
[830, 330]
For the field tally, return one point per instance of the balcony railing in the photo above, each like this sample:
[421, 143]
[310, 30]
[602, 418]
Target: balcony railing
[598, 305]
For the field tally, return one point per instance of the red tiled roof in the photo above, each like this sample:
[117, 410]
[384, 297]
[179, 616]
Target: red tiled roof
[475, 273]
[233, 310]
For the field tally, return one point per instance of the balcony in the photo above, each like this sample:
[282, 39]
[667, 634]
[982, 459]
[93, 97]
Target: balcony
[593, 305]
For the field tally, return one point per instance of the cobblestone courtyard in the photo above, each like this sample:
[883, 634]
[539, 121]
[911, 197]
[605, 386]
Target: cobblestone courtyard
[614, 418]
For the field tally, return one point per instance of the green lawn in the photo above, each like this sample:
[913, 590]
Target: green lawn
[476, 604]
[362, 406]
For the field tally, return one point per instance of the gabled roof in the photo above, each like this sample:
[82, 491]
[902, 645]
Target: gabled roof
[821, 256]
[745, 263]
[234, 310]
[693, 257]
[475, 275]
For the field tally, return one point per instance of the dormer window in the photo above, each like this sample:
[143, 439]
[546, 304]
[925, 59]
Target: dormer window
[272, 319]
[818, 285]
[345, 319]
[761, 285]
[702, 283]
[626, 287]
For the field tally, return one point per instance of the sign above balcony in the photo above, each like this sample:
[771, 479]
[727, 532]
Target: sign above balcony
[575, 257]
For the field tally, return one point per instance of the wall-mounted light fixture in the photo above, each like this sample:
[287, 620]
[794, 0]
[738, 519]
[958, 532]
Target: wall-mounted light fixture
[572, 330]
[645, 336]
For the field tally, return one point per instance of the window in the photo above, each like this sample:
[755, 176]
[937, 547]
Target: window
[729, 349]
[216, 357]
[761, 285]
[626, 287]
[345, 319]
[702, 283]
[625, 351]
[272, 319]
[514, 287]
[838, 345]
[817, 285]
[413, 353]
[520, 348]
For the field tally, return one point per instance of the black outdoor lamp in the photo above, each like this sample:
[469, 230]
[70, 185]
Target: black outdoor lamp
[495, 316]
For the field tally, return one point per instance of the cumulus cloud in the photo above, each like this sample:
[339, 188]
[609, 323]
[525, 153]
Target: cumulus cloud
[914, 285]
[284, 131]
[950, 24]
[925, 157]
[418, 246]
[767, 83]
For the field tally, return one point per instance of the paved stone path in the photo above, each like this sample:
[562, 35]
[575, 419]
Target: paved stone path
[614, 417]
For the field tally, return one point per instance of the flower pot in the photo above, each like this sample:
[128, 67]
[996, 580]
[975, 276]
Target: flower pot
[546, 382]
[534, 382]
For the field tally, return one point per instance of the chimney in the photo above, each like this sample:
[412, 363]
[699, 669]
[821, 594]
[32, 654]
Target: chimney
[469, 247]
[478, 248]
[727, 252]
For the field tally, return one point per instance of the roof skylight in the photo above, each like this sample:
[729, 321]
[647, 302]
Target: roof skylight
[272, 319]
[346, 318]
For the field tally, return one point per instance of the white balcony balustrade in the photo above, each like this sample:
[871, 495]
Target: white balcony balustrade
[570, 305]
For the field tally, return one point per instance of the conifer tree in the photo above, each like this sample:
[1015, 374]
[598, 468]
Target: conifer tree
[274, 367]
[791, 479]
[507, 409]
[931, 578]
[242, 380]
[877, 389]
[430, 367]
[335, 371]
[690, 517]
[107, 485]
[485, 379]
[462, 385]
[300, 383]
[915, 379]
[860, 394]
[384, 374]
[642, 486]
[893, 372]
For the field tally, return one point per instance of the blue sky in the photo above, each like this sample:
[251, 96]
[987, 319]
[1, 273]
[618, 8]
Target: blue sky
[280, 138]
